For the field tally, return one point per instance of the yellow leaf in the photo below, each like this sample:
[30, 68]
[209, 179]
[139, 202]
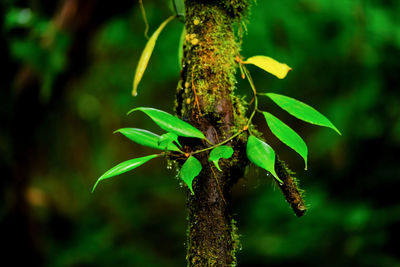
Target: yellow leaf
[270, 65]
[145, 57]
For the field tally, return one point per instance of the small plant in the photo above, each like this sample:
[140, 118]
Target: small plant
[216, 140]
[258, 151]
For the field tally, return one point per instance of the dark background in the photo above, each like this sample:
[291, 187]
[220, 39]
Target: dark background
[67, 69]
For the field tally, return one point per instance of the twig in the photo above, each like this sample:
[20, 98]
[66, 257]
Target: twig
[290, 188]
[144, 19]
[221, 143]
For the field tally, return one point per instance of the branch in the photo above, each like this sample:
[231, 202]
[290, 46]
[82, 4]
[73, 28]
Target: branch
[290, 188]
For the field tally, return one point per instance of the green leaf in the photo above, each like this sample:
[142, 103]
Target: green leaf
[301, 110]
[180, 47]
[179, 6]
[168, 139]
[190, 169]
[124, 167]
[146, 54]
[171, 123]
[262, 155]
[146, 138]
[270, 65]
[220, 152]
[287, 135]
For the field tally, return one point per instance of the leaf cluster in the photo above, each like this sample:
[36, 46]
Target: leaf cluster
[258, 152]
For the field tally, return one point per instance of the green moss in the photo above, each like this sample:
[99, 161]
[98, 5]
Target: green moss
[206, 98]
[237, 8]
[235, 241]
[211, 46]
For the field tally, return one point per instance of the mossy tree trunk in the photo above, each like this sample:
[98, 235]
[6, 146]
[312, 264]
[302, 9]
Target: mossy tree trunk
[205, 98]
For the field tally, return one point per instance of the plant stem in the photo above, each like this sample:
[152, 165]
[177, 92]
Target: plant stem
[219, 144]
[144, 19]
[247, 73]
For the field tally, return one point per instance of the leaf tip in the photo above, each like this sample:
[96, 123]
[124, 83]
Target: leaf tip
[206, 139]
[95, 185]
[277, 178]
[217, 165]
[135, 85]
[132, 110]
[191, 189]
[282, 74]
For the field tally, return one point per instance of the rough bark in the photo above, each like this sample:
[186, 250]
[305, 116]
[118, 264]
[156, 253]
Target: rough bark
[205, 99]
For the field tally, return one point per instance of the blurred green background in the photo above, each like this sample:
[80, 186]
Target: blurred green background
[67, 69]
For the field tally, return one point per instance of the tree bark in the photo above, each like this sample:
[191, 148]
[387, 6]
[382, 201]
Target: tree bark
[205, 98]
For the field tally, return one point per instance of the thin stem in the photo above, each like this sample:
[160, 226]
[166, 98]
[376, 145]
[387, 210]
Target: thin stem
[180, 151]
[194, 91]
[219, 144]
[166, 151]
[241, 68]
[144, 19]
[209, 142]
[219, 187]
[255, 95]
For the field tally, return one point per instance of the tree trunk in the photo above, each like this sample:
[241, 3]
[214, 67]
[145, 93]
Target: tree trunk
[205, 98]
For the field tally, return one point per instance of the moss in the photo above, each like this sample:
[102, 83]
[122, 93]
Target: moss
[210, 48]
[237, 8]
[206, 99]
[239, 108]
[290, 188]
[235, 241]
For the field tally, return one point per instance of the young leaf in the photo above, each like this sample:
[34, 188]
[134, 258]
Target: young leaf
[287, 135]
[145, 57]
[220, 152]
[190, 169]
[146, 138]
[262, 155]
[301, 110]
[171, 123]
[168, 139]
[270, 65]
[124, 167]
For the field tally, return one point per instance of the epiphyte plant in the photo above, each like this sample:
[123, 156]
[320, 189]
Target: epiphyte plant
[258, 152]
[211, 138]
